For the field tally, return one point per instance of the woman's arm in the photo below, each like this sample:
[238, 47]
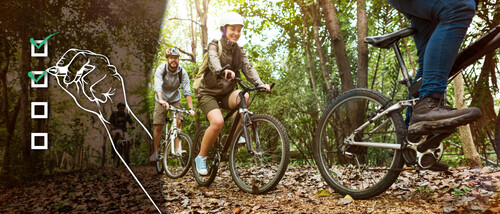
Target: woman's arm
[248, 70]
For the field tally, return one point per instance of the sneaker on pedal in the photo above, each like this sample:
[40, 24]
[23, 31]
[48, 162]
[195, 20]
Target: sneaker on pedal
[201, 165]
[430, 114]
[154, 157]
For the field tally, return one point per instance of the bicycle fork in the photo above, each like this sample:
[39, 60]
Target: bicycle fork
[246, 121]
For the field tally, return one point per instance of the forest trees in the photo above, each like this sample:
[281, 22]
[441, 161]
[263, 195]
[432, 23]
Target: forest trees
[102, 27]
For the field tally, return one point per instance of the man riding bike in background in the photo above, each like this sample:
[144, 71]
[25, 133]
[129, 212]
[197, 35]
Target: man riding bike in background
[169, 77]
[118, 124]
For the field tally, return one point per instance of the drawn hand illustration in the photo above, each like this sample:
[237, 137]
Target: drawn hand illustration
[92, 81]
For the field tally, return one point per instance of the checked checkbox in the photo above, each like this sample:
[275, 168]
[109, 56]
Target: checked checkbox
[39, 81]
[42, 51]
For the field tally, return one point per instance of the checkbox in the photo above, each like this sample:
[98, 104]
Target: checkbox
[42, 83]
[39, 110]
[36, 138]
[40, 52]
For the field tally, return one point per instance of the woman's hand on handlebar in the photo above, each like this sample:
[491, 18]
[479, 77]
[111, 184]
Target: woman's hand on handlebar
[228, 74]
[267, 87]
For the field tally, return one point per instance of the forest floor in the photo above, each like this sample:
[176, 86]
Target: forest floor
[114, 190]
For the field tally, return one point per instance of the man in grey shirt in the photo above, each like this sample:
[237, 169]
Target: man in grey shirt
[169, 77]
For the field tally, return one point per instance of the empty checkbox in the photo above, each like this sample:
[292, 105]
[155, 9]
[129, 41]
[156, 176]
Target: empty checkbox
[42, 82]
[39, 141]
[39, 110]
[40, 52]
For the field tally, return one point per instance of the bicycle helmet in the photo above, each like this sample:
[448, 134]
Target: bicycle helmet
[231, 18]
[172, 52]
[120, 104]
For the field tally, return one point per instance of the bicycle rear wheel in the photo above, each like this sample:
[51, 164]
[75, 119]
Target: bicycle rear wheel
[261, 172]
[160, 169]
[361, 172]
[177, 165]
[212, 165]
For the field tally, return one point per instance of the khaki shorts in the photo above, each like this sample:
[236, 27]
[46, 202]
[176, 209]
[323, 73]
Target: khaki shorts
[208, 103]
[160, 113]
[122, 134]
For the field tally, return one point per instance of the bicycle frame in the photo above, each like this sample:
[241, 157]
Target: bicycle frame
[171, 134]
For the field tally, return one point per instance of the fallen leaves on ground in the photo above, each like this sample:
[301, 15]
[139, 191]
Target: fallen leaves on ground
[303, 190]
[99, 190]
[114, 190]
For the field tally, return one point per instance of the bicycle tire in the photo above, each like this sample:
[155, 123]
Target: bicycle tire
[204, 180]
[353, 104]
[174, 166]
[270, 164]
[160, 169]
[116, 158]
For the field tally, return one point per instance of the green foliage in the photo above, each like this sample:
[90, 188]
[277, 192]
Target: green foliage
[461, 191]
[425, 190]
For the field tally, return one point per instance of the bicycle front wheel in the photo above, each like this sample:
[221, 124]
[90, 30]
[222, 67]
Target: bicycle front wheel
[160, 169]
[260, 172]
[177, 163]
[361, 172]
[116, 158]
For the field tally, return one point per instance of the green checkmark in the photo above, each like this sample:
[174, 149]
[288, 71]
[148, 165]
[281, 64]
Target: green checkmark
[39, 77]
[38, 46]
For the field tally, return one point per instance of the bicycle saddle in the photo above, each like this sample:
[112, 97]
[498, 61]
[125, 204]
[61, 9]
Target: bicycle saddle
[386, 41]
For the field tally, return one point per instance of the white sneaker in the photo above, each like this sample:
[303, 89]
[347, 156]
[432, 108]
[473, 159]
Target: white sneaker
[179, 152]
[241, 140]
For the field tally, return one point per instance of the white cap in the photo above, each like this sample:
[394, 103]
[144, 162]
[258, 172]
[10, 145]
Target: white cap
[231, 18]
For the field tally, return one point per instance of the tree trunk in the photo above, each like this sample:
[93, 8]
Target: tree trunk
[339, 48]
[309, 60]
[362, 30]
[193, 33]
[25, 120]
[203, 22]
[472, 157]
[320, 52]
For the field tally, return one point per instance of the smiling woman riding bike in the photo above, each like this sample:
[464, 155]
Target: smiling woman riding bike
[216, 92]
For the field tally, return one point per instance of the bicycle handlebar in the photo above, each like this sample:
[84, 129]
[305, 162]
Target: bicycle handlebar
[172, 108]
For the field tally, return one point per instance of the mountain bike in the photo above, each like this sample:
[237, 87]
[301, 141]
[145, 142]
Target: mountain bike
[123, 147]
[361, 142]
[174, 153]
[257, 165]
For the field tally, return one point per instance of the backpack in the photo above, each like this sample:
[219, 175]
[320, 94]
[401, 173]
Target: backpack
[180, 75]
[202, 68]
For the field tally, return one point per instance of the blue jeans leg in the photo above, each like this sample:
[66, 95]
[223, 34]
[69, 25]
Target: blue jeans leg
[441, 26]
